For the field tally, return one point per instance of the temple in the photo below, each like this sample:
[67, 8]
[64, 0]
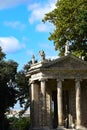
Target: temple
[58, 93]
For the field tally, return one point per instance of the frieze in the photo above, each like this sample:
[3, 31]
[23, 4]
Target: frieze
[58, 75]
[36, 76]
[66, 75]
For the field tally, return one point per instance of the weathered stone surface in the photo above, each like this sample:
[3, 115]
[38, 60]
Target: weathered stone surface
[70, 95]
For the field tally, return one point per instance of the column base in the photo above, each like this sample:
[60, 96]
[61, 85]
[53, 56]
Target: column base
[80, 128]
[40, 128]
[45, 128]
[61, 128]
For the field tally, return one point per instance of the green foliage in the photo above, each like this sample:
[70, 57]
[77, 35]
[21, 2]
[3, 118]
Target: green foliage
[2, 55]
[23, 87]
[22, 123]
[8, 94]
[70, 21]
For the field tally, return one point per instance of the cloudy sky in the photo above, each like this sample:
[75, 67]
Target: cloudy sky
[22, 32]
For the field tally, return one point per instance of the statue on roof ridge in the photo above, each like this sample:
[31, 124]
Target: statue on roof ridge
[67, 48]
[42, 54]
[33, 59]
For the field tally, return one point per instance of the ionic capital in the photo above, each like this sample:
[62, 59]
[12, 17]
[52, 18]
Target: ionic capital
[31, 82]
[60, 79]
[78, 79]
[43, 79]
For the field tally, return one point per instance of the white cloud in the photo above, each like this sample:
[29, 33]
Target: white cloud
[4, 4]
[10, 44]
[15, 24]
[38, 10]
[44, 27]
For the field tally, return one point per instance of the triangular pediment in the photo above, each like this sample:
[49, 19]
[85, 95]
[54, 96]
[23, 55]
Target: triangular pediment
[67, 62]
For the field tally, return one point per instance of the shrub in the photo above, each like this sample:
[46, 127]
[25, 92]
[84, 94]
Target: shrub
[21, 123]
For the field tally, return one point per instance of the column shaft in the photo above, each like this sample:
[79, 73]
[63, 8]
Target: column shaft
[32, 91]
[43, 96]
[78, 103]
[32, 105]
[59, 103]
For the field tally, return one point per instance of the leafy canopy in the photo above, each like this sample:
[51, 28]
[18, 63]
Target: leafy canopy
[70, 23]
[8, 70]
[8, 94]
[23, 88]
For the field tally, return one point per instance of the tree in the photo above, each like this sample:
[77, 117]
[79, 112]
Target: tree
[2, 55]
[23, 87]
[22, 123]
[8, 94]
[70, 23]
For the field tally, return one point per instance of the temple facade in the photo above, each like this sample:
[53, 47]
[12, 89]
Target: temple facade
[58, 91]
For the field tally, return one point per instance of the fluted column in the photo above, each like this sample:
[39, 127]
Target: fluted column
[32, 104]
[78, 103]
[32, 91]
[59, 102]
[43, 96]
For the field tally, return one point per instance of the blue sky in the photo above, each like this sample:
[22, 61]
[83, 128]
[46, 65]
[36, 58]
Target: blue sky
[22, 32]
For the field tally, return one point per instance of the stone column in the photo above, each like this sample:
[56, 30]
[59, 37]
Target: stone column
[43, 98]
[78, 103]
[32, 91]
[59, 102]
[32, 104]
[48, 109]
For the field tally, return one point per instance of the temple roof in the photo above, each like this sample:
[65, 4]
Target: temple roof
[64, 63]
[69, 61]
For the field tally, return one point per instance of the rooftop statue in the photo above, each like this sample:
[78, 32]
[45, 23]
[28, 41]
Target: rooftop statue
[67, 48]
[42, 54]
[33, 59]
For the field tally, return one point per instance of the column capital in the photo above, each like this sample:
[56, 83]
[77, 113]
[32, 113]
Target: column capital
[31, 81]
[78, 79]
[59, 79]
[43, 79]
